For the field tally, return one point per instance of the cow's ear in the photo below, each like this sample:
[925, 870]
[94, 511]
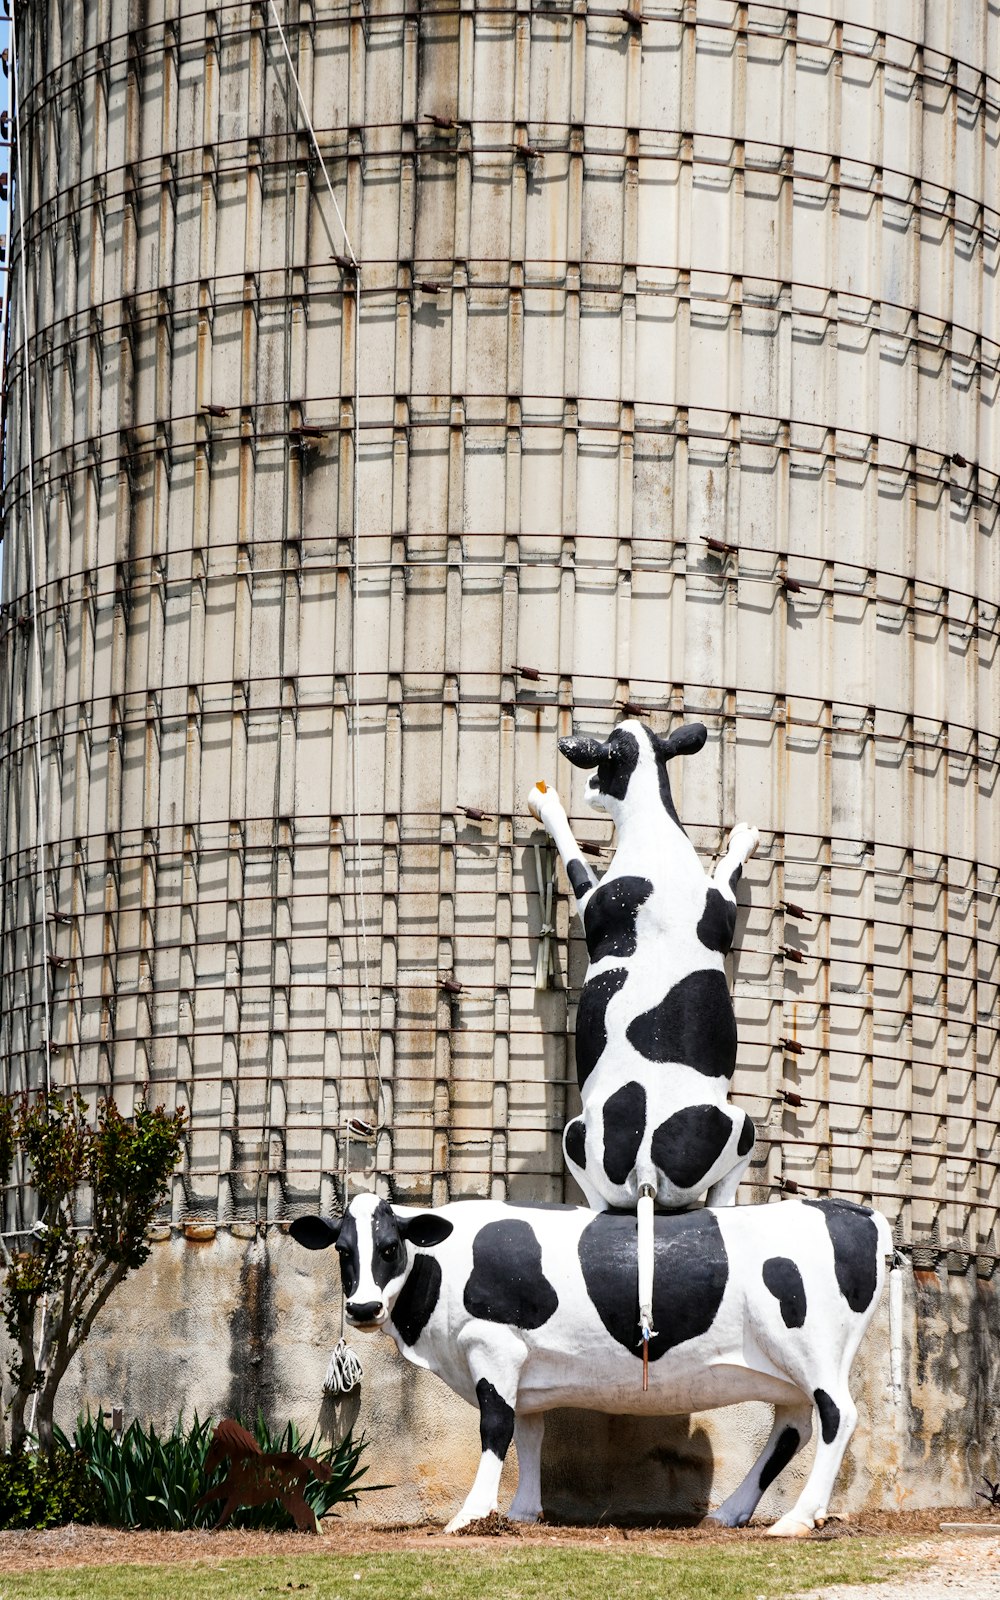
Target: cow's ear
[583, 751]
[316, 1233]
[684, 741]
[424, 1230]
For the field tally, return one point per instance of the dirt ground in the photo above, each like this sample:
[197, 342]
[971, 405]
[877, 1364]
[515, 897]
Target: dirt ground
[963, 1566]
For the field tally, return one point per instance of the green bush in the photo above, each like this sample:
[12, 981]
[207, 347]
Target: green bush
[143, 1480]
[38, 1493]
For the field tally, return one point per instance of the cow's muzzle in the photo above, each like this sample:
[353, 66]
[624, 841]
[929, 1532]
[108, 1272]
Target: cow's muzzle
[365, 1313]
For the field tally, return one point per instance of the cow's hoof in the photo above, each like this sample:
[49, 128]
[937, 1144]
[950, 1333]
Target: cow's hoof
[790, 1528]
[544, 805]
[525, 1516]
[750, 843]
[724, 1519]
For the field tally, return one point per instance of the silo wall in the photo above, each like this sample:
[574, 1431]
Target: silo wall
[669, 383]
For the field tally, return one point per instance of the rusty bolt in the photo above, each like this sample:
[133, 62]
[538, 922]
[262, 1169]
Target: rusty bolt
[788, 1185]
[792, 954]
[792, 910]
[790, 1097]
[532, 673]
[428, 286]
[438, 121]
[345, 263]
[721, 548]
[792, 584]
[451, 985]
[589, 849]
[633, 18]
[792, 1046]
[474, 814]
[215, 411]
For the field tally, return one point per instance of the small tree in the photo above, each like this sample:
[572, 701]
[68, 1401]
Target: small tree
[123, 1165]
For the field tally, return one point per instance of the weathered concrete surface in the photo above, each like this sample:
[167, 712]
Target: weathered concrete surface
[232, 1323]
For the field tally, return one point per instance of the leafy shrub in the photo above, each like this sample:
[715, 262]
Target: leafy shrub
[144, 1480]
[38, 1493]
[141, 1479]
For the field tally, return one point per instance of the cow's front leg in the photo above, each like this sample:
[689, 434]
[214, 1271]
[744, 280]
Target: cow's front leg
[740, 846]
[547, 808]
[529, 1432]
[495, 1356]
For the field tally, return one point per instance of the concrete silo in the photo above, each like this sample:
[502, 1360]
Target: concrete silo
[670, 377]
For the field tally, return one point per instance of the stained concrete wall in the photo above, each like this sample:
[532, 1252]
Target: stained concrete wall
[676, 388]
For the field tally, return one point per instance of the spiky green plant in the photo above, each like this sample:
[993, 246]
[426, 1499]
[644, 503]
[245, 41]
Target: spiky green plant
[146, 1480]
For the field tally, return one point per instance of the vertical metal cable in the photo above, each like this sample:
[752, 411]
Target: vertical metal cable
[378, 1095]
[40, 841]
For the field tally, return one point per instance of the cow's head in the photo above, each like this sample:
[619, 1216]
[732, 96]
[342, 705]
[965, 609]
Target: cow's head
[630, 766]
[371, 1241]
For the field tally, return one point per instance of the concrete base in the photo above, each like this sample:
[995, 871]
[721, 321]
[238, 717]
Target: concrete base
[222, 1324]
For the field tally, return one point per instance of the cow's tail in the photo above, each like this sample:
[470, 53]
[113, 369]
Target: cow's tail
[644, 1217]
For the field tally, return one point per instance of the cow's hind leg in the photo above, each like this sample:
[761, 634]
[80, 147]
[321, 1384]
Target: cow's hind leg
[838, 1418]
[792, 1427]
[529, 1431]
[495, 1359]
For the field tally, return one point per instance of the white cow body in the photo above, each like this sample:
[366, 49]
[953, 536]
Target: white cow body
[523, 1309]
[655, 1031]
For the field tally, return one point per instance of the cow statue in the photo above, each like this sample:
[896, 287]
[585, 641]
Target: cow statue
[520, 1309]
[655, 1027]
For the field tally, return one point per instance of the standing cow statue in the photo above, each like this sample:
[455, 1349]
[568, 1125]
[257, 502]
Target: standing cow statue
[520, 1309]
[655, 1027]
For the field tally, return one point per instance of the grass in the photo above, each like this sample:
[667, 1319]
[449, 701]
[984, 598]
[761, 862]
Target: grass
[681, 1572]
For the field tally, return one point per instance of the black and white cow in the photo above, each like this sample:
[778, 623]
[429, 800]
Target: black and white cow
[655, 1028]
[520, 1309]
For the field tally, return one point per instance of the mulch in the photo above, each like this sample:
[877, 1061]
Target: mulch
[75, 1546]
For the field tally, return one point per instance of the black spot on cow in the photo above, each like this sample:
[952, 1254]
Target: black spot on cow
[591, 1028]
[349, 1255]
[496, 1419]
[624, 1125]
[610, 918]
[689, 1277]
[829, 1415]
[615, 768]
[666, 798]
[718, 923]
[388, 1249]
[579, 878]
[575, 1142]
[748, 1137]
[689, 1143]
[416, 1300]
[693, 1025]
[507, 1283]
[854, 1235]
[784, 1280]
[785, 1447]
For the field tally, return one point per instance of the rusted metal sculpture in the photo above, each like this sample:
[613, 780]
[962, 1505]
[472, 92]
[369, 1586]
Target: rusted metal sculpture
[254, 1477]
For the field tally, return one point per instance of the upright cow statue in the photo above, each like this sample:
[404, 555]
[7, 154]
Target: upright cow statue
[655, 1028]
[520, 1309]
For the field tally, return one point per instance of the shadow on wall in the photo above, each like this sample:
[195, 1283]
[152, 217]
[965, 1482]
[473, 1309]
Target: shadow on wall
[338, 1413]
[623, 1465]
